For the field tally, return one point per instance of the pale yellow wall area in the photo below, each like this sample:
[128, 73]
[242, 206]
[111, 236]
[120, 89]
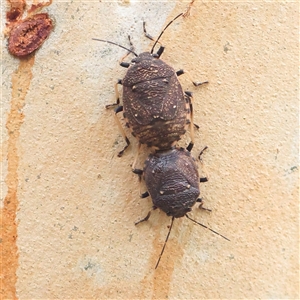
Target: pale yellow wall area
[71, 203]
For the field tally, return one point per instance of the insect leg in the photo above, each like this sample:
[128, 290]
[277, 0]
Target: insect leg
[195, 83]
[117, 110]
[135, 159]
[145, 195]
[117, 95]
[147, 217]
[202, 179]
[147, 35]
[140, 172]
[201, 204]
[131, 50]
[190, 101]
[201, 152]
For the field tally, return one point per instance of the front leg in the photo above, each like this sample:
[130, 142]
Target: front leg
[131, 50]
[147, 35]
[117, 95]
[117, 110]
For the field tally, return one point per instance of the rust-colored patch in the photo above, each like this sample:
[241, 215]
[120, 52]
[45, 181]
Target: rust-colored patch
[163, 274]
[14, 15]
[20, 83]
[160, 278]
[29, 35]
[26, 35]
[16, 10]
[36, 7]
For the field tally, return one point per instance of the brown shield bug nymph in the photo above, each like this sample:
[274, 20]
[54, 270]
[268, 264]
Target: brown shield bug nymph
[172, 181]
[155, 107]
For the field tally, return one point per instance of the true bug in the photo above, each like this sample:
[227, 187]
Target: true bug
[155, 107]
[172, 181]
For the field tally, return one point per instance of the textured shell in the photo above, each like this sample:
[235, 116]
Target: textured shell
[146, 67]
[29, 35]
[154, 103]
[172, 180]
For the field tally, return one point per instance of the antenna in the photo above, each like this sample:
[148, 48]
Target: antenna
[162, 251]
[115, 45]
[206, 227]
[164, 31]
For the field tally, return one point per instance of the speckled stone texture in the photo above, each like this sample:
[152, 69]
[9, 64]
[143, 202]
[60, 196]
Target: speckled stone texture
[69, 203]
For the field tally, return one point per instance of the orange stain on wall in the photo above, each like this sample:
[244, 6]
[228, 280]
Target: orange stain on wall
[20, 84]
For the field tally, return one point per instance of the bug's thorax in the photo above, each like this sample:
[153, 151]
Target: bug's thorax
[144, 56]
[145, 67]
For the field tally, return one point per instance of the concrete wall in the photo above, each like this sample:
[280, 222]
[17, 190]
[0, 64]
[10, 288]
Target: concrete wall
[69, 203]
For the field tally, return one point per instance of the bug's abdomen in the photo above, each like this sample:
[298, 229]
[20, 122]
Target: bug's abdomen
[161, 134]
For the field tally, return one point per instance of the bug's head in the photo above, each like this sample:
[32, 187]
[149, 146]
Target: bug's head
[145, 56]
[177, 204]
[179, 212]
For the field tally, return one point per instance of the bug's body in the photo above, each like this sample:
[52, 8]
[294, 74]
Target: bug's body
[155, 106]
[172, 180]
[157, 111]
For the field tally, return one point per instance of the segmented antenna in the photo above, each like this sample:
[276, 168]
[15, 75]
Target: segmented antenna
[164, 31]
[206, 227]
[116, 45]
[162, 251]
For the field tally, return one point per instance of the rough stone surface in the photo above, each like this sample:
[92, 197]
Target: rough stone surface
[70, 202]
